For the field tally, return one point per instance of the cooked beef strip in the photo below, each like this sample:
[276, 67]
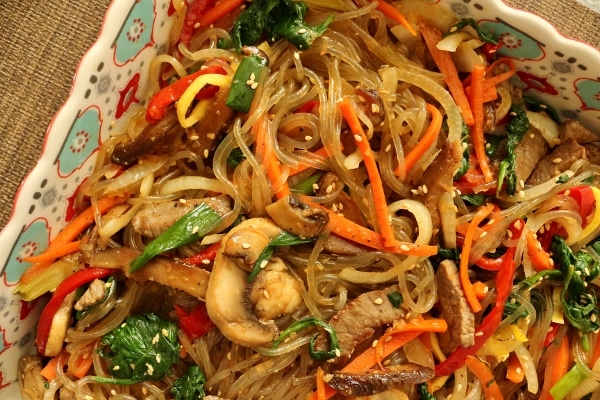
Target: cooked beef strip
[155, 218]
[439, 178]
[377, 381]
[573, 129]
[592, 152]
[453, 303]
[558, 161]
[359, 319]
[528, 153]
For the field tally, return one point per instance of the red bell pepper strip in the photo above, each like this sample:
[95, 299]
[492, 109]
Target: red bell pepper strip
[208, 254]
[166, 96]
[67, 286]
[192, 16]
[489, 324]
[307, 107]
[584, 196]
[195, 324]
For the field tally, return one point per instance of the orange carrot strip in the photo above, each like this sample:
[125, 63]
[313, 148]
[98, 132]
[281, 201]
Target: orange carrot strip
[81, 366]
[54, 253]
[493, 80]
[480, 215]
[356, 233]
[480, 289]
[49, 370]
[381, 207]
[426, 141]
[320, 384]
[477, 77]
[322, 152]
[444, 62]
[558, 365]
[540, 259]
[416, 325]
[70, 232]
[393, 13]
[221, 9]
[491, 389]
[515, 372]
[264, 152]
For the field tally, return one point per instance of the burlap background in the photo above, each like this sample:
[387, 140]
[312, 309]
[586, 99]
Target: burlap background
[41, 43]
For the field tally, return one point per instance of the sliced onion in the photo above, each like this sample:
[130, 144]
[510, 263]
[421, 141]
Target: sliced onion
[529, 369]
[184, 183]
[546, 126]
[421, 214]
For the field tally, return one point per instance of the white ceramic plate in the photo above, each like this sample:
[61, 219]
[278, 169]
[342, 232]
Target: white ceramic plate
[109, 86]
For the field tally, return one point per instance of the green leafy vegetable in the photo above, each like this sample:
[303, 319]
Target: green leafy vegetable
[396, 299]
[191, 385]
[283, 239]
[580, 304]
[235, 157]
[191, 227]
[307, 186]
[549, 274]
[297, 326]
[515, 130]
[111, 289]
[492, 143]
[474, 199]
[275, 19]
[484, 36]
[465, 160]
[142, 348]
[536, 105]
[511, 306]
[424, 393]
[243, 85]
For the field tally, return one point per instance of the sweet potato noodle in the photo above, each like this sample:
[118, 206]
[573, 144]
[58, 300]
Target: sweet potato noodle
[327, 199]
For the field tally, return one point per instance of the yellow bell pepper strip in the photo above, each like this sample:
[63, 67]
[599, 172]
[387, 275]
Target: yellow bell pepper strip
[157, 107]
[244, 82]
[191, 227]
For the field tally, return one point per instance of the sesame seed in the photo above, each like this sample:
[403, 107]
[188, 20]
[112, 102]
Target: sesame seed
[195, 229]
[264, 263]
[211, 136]
[296, 55]
[388, 148]
[158, 359]
[358, 138]
[113, 392]
[330, 188]
[518, 370]
[478, 333]
[116, 367]
[404, 247]
[483, 234]
[246, 245]
[374, 108]
[532, 135]
[206, 153]
[557, 160]
[229, 355]
[522, 183]
[425, 190]
[315, 186]
[302, 31]
[266, 294]
[521, 194]
[250, 82]
[337, 352]
[374, 344]
[378, 301]
[206, 261]
[308, 138]
[252, 76]
[165, 332]
[183, 201]
[194, 137]
[254, 85]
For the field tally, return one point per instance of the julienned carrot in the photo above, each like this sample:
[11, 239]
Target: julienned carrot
[368, 359]
[426, 141]
[416, 325]
[264, 152]
[362, 142]
[540, 259]
[393, 13]
[81, 365]
[444, 62]
[492, 80]
[320, 384]
[481, 290]
[515, 372]
[477, 79]
[54, 253]
[491, 389]
[70, 232]
[470, 294]
[49, 370]
[221, 9]
[558, 365]
[322, 152]
[356, 233]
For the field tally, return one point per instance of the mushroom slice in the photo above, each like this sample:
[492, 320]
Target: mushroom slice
[297, 217]
[58, 328]
[377, 381]
[227, 295]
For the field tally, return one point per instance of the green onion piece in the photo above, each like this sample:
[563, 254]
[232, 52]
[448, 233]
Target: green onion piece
[568, 382]
[307, 323]
[306, 186]
[244, 82]
[283, 239]
[396, 299]
[191, 227]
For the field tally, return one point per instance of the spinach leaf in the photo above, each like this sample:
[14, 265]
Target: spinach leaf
[578, 299]
[235, 157]
[515, 130]
[191, 385]
[474, 199]
[396, 299]
[283, 239]
[276, 19]
[424, 393]
[511, 306]
[297, 326]
[144, 347]
[534, 104]
[465, 161]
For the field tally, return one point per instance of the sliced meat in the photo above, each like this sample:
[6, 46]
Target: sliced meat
[489, 117]
[94, 294]
[155, 218]
[570, 128]
[357, 321]
[206, 132]
[338, 245]
[163, 270]
[31, 381]
[439, 178]
[127, 153]
[528, 153]
[592, 152]
[377, 381]
[454, 305]
[561, 159]
[298, 218]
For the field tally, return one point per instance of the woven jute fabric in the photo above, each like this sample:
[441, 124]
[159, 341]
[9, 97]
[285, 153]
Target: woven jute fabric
[41, 43]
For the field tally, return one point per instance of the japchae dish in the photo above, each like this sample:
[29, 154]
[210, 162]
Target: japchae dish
[327, 199]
